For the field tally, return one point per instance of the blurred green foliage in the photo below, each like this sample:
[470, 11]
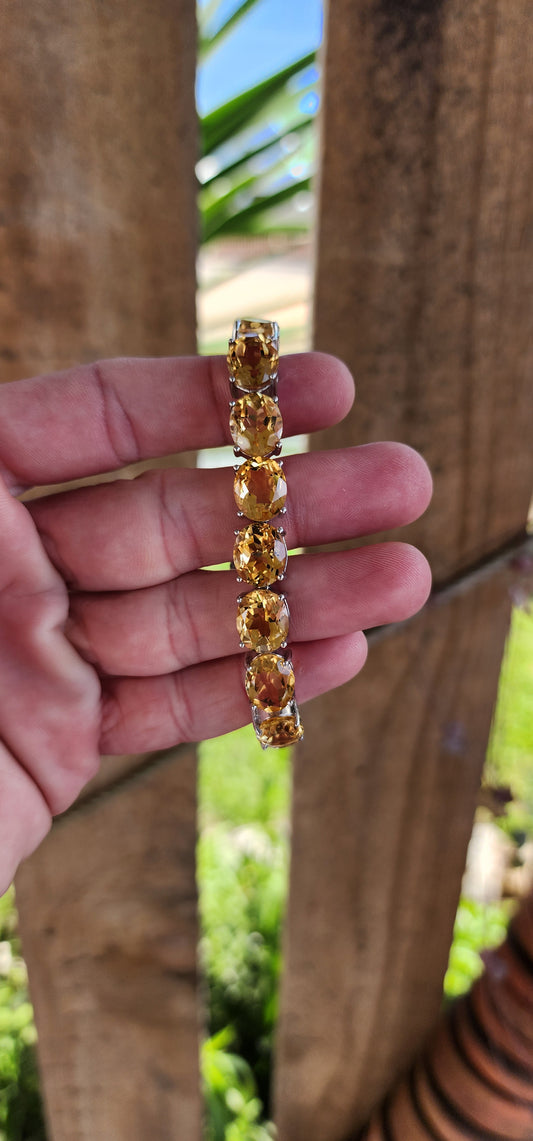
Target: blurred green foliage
[478, 926]
[257, 149]
[510, 754]
[242, 868]
[21, 1117]
[233, 1109]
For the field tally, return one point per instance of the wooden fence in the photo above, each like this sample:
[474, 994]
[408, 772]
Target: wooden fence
[423, 285]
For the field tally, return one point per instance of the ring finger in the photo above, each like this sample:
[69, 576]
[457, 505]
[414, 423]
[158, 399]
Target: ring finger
[192, 619]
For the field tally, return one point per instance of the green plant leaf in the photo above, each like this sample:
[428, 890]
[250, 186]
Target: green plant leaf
[219, 125]
[297, 129]
[208, 41]
[239, 223]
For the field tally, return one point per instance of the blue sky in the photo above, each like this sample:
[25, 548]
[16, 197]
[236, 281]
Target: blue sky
[271, 35]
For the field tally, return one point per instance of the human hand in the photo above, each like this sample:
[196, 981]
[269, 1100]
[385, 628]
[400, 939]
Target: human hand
[112, 639]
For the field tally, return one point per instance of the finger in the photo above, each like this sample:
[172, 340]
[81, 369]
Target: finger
[98, 417]
[24, 817]
[192, 619]
[203, 701]
[50, 698]
[131, 534]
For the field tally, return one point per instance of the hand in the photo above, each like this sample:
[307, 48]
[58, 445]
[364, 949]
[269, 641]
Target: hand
[112, 639]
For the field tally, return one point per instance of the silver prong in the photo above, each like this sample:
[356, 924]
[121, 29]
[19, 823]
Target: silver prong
[241, 516]
[281, 577]
[282, 596]
[280, 529]
[236, 467]
[237, 452]
[284, 645]
[242, 646]
[283, 511]
[239, 579]
[232, 403]
[236, 532]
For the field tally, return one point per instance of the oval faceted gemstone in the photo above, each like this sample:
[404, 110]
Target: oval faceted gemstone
[270, 681]
[260, 489]
[252, 360]
[262, 620]
[276, 732]
[260, 554]
[256, 424]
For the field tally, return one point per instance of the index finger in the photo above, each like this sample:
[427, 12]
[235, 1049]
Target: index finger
[98, 417]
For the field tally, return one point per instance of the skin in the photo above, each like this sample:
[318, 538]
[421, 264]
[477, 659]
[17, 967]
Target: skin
[112, 639]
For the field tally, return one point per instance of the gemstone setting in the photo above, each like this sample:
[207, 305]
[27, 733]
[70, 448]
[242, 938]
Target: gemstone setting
[256, 424]
[262, 620]
[253, 356]
[260, 554]
[270, 681]
[279, 731]
[260, 489]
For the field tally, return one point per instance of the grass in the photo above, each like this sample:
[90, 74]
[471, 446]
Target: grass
[510, 754]
[242, 869]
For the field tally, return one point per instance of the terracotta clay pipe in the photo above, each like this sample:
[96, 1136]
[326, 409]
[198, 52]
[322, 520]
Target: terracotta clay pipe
[474, 1082]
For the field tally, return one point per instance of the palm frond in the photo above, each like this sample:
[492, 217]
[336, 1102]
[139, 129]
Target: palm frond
[242, 221]
[210, 40]
[219, 125]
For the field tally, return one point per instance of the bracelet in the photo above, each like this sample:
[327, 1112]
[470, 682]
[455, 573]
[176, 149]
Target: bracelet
[260, 551]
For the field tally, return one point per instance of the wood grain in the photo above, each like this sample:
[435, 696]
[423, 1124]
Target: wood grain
[425, 252]
[424, 287]
[385, 786]
[98, 230]
[108, 919]
[97, 188]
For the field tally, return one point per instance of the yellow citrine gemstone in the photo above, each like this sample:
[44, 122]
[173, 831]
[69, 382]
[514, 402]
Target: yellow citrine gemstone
[260, 489]
[260, 554]
[256, 424]
[270, 681]
[262, 620]
[277, 732]
[253, 359]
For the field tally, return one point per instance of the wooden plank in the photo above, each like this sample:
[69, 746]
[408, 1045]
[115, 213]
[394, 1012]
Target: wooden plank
[97, 189]
[109, 926]
[98, 245]
[424, 275]
[383, 803]
[425, 266]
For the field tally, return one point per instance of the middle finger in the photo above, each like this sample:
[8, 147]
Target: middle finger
[136, 533]
[168, 627]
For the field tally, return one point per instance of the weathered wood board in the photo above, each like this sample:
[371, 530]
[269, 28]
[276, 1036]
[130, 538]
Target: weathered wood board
[424, 287]
[97, 189]
[109, 926]
[97, 244]
[425, 257]
[385, 786]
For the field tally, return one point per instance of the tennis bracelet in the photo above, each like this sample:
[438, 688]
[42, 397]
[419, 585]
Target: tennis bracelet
[260, 550]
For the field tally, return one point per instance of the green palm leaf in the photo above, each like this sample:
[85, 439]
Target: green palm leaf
[251, 142]
[224, 122]
[208, 41]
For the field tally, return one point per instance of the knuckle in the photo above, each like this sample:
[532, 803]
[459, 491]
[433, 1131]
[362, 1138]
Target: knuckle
[181, 626]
